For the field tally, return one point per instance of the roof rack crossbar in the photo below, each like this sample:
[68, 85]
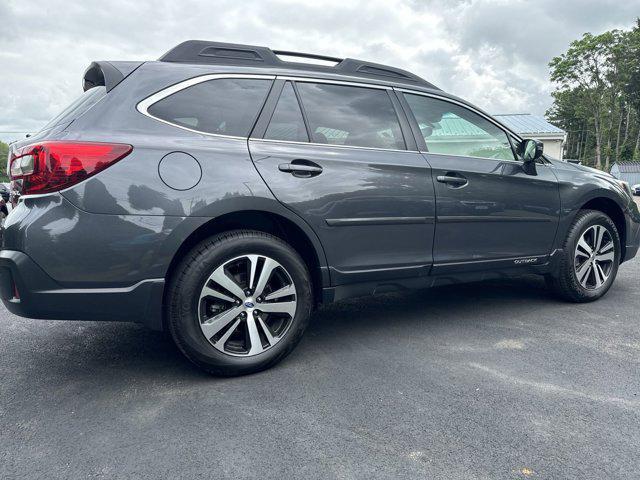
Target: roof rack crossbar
[218, 53]
[312, 56]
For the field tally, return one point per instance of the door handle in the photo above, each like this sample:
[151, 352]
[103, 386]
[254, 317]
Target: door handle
[454, 180]
[300, 169]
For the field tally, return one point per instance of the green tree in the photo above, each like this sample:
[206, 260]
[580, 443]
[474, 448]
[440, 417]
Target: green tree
[586, 65]
[4, 153]
[597, 96]
[632, 83]
[569, 112]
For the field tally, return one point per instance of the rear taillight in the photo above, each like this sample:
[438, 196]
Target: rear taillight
[51, 166]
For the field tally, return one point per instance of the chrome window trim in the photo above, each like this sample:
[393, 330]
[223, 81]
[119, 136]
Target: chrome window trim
[519, 162]
[143, 105]
[331, 145]
[335, 82]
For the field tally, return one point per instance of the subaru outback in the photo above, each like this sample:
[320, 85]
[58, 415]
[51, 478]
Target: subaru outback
[225, 191]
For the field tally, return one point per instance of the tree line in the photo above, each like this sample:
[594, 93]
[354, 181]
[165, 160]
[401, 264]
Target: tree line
[4, 153]
[597, 97]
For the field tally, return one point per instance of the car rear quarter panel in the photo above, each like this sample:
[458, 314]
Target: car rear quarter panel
[125, 224]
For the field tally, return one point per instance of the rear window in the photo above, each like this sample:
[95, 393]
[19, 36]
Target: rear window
[346, 115]
[78, 107]
[226, 106]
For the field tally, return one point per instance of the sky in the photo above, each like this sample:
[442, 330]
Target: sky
[494, 53]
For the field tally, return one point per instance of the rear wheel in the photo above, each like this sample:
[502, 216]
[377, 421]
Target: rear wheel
[590, 258]
[239, 302]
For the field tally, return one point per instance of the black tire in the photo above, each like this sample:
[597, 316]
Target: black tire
[184, 293]
[564, 282]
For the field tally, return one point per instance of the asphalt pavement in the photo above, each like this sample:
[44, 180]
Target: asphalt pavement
[479, 381]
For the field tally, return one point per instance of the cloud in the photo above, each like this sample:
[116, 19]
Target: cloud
[491, 52]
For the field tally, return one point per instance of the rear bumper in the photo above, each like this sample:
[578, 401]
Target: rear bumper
[26, 290]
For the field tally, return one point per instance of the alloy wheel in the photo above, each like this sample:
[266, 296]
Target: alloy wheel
[247, 305]
[594, 256]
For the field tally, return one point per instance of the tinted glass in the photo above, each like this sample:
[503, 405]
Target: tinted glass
[450, 129]
[78, 107]
[287, 122]
[357, 116]
[227, 106]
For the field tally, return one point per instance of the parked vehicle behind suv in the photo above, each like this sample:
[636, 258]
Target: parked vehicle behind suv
[222, 193]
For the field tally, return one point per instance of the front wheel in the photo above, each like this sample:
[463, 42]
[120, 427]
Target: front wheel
[239, 302]
[590, 258]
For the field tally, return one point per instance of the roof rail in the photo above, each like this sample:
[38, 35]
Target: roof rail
[218, 53]
[312, 56]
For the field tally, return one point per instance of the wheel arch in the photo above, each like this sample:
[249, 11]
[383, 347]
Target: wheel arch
[613, 210]
[301, 238]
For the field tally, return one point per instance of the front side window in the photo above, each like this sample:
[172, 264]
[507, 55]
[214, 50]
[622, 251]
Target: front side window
[225, 106]
[355, 116]
[450, 129]
[287, 122]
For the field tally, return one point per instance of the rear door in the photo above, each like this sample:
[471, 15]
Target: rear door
[343, 164]
[490, 213]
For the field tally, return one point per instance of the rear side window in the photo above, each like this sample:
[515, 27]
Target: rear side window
[287, 122]
[450, 129]
[226, 106]
[356, 116]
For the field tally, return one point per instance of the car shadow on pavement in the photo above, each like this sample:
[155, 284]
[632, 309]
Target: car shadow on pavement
[116, 352]
[437, 305]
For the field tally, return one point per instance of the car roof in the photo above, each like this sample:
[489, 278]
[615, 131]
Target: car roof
[198, 57]
[229, 54]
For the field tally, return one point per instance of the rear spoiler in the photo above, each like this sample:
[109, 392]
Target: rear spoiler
[107, 74]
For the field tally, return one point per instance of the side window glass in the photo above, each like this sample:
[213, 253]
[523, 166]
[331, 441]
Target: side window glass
[227, 106]
[517, 147]
[450, 129]
[287, 122]
[356, 116]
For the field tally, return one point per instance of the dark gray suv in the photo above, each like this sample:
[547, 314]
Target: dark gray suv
[223, 192]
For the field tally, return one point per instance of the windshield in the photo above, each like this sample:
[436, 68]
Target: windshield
[79, 106]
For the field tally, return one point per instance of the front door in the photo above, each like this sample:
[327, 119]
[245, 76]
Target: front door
[489, 212]
[345, 169]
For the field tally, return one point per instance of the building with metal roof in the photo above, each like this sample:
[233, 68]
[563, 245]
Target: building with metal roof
[627, 171]
[528, 125]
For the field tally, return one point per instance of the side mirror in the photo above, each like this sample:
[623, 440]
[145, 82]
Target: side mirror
[531, 150]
